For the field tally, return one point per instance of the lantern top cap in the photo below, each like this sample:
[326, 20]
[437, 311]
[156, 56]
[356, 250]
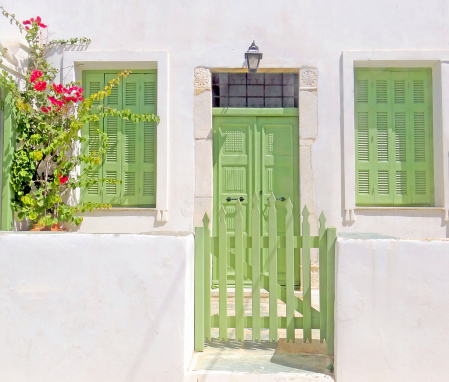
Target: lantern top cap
[253, 48]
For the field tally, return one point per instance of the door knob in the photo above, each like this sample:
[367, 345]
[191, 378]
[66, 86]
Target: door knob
[228, 199]
[282, 199]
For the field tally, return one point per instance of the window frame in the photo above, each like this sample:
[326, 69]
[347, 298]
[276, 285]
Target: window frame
[75, 62]
[438, 61]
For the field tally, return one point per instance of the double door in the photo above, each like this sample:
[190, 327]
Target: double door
[256, 155]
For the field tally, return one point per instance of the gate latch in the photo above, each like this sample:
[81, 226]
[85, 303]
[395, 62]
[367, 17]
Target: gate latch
[282, 199]
[228, 199]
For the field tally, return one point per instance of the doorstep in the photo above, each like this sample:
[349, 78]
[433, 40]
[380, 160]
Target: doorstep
[261, 362]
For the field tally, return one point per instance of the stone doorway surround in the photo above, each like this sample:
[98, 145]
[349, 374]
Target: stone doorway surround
[202, 130]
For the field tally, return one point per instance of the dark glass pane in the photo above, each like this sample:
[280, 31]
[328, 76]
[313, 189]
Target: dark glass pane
[224, 102]
[288, 91]
[288, 102]
[215, 78]
[273, 78]
[255, 91]
[273, 91]
[237, 90]
[224, 78]
[215, 91]
[237, 102]
[215, 102]
[273, 102]
[288, 78]
[255, 79]
[237, 78]
[256, 102]
[224, 90]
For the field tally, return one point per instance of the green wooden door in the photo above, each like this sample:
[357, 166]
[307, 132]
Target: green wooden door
[256, 155]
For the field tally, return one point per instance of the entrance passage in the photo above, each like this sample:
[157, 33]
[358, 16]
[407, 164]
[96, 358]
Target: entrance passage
[256, 155]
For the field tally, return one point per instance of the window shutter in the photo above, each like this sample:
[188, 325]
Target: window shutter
[364, 135]
[421, 138]
[147, 141]
[130, 171]
[393, 122]
[112, 161]
[382, 119]
[93, 82]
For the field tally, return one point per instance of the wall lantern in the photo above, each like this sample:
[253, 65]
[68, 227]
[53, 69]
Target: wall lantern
[253, 57]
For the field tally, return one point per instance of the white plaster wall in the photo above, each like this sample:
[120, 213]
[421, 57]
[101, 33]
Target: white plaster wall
[291, 34]
[392, 309]
[92, 308]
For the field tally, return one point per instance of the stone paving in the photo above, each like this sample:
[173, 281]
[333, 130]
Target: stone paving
[305, 361]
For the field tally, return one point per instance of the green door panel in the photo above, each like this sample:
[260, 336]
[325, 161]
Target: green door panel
[256, 155]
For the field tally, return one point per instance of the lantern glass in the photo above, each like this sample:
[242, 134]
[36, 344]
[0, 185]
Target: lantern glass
[253, 62]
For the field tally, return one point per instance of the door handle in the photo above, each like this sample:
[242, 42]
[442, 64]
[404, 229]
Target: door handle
[228, 199]
[282, 199]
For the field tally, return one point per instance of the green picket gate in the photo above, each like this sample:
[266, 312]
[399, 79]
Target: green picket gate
[206, 245]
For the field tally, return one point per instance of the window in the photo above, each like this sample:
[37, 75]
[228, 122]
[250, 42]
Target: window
[255, 90]
[393, 137]
[131, 152]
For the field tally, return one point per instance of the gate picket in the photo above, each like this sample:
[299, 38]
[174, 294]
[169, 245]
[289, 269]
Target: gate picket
[272, 264]
[306, 276]
[323, 277]
[223, 276]
[290, 272]
[239, 332]
[256, 276]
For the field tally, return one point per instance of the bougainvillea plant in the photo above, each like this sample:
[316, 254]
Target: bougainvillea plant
[48, 118]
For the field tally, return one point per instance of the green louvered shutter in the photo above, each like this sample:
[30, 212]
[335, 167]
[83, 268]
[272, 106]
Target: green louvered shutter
[147, 142]
[93, 82]
[393, 121]
[421, 138]
[129, 142]
[364, 135]
[112, 162]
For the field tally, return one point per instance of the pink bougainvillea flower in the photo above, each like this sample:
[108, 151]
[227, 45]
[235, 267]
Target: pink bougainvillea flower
[42, 25]
[38, 19]
[58, 88]
[45, 109]
[27, 28]
[32, 19]
[41, 85]
[63, 179]
[35, 75]
[26, 22]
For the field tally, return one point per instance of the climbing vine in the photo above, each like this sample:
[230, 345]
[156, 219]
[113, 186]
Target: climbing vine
[48, 118]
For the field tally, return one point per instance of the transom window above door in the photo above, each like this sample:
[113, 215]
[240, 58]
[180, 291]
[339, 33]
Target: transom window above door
[255, 90]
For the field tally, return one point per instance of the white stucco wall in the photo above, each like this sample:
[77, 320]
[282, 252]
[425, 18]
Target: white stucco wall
[392, 309]
[93, 308]
[291, 34]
